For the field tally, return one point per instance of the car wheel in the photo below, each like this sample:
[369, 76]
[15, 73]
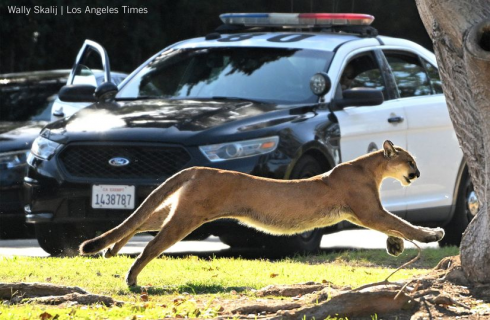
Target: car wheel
[61, 239]
[306, 242]
[467, 207]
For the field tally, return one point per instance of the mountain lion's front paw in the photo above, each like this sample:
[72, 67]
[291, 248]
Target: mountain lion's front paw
[433, 234]
[394, 246]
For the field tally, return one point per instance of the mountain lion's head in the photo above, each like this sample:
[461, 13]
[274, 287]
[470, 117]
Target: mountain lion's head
[401, 164]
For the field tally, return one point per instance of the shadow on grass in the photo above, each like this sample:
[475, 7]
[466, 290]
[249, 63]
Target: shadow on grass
[191, 288]
[341, 255]
[246, 253]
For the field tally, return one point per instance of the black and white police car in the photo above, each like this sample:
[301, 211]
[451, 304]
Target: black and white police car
[276, 95]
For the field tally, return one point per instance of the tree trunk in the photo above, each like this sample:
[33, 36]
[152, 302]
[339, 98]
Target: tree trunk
[460, 32]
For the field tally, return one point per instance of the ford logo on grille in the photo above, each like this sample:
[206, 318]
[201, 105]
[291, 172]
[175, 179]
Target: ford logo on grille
[119, 162]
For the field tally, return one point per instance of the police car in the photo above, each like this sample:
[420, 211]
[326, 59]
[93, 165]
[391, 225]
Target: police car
[283, 96]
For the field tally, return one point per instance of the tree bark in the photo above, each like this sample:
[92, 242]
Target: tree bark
[460, 32]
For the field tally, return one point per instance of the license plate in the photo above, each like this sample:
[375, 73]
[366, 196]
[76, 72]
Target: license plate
[112, 197]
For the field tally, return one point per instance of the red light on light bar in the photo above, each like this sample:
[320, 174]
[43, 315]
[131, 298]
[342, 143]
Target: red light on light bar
[337, 18]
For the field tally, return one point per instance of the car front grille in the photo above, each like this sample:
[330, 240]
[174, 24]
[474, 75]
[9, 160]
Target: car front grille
[146, 161]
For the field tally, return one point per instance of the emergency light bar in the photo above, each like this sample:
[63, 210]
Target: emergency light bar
[296, 19]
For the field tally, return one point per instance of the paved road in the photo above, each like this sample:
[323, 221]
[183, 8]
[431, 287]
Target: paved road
[350, 239]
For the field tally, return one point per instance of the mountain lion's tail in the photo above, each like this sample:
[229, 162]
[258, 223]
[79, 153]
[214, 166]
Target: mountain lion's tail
[138, 217]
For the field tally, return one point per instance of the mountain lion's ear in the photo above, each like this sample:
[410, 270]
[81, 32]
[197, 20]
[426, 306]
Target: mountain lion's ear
[389, 149]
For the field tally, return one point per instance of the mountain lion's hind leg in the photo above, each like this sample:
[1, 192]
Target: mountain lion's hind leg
[178, 227]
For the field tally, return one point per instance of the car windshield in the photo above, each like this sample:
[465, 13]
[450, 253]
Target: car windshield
[263, 74]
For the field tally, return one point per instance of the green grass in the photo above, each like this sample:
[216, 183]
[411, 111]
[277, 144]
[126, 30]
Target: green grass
[202, 282]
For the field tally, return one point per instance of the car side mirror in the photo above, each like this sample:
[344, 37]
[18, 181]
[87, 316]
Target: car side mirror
[106, 92]
[88, 93]
[359, 97]
[77, 93]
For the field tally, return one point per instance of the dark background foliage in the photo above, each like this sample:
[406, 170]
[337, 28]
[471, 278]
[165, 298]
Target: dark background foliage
[47, 41]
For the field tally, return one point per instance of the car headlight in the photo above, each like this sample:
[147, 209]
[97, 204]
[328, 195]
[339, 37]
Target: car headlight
[44, 148]
[239, 149]
[13, 159]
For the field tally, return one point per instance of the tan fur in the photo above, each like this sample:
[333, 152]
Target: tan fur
[198, 195]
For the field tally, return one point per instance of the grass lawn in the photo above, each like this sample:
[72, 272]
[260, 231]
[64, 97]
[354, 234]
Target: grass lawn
[192, 286]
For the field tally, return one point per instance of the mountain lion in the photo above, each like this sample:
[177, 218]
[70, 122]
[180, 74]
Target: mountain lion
[198, 195]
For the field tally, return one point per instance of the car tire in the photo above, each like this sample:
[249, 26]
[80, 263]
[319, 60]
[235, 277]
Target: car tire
[307, 242]
[466, 208]
[61, 239]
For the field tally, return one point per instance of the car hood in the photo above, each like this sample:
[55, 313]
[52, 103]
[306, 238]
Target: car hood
[174, 121]
[18, 136]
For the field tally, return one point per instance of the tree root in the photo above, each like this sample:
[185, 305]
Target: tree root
[77, 298]
[47, 293]
[265, 307]
[35, 289]
[293, 290]
[379, 298]
[352, 304]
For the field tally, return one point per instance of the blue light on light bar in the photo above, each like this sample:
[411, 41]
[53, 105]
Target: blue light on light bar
[245, 18]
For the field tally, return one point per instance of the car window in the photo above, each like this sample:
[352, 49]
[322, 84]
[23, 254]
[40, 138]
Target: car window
[264, 74]
[86, 73]
[435, 79]
[361, 72]
[410, 76]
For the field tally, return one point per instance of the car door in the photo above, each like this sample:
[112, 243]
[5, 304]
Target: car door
[430, 136]
[363, 129]
[91, 64]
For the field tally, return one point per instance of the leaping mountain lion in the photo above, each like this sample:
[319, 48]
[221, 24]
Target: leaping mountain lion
[197, 195]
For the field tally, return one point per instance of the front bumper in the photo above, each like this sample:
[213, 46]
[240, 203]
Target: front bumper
[71, 202]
